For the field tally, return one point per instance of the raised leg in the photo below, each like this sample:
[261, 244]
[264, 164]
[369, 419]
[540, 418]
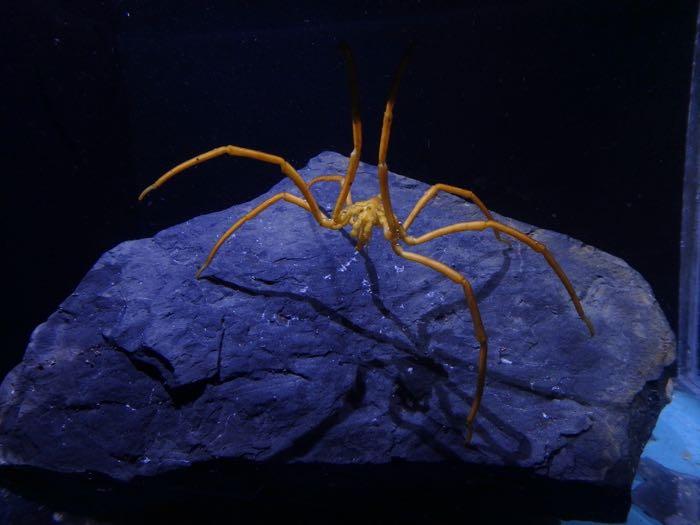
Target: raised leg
[252, 213]
[382, 168]
[236, 151]
[518, 235]
[454, 190]
[479, 331]
[356, 134]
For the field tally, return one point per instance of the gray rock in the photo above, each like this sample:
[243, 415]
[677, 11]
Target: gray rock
[294, 349]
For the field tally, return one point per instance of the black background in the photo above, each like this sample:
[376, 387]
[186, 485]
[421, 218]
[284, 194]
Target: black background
[568, 115]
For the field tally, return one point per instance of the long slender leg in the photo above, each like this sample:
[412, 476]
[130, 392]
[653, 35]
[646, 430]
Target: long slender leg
[395, 232]
[252, 213]
[479, 331]
[236, 151]
[382, 168]
[356, 133]
[518, 235]
[332, 178]
[454, 190]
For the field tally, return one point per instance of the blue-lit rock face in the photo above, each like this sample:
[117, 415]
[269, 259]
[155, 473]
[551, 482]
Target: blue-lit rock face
[296, 349]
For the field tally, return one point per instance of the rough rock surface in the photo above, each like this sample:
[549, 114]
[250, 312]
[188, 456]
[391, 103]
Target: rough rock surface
[296, 349]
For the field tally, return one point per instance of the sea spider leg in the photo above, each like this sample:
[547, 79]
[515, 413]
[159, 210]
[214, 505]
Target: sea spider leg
[236, 151]
[356, 133]
[454, 190]
[394, 232]
[263, 206]
[252, 213]
[479, 331]
[518, 235]
[394, 227]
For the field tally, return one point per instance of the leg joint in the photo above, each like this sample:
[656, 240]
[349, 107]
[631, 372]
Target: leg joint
[538, 246]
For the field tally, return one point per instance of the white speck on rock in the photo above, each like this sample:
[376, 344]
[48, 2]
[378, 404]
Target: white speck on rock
[344, 267]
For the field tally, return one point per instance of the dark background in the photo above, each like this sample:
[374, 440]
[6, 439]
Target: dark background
[567, 115]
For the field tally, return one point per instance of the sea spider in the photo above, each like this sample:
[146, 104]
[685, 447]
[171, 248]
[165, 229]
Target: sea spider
[377, 212]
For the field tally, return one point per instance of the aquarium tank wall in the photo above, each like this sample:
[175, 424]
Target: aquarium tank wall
[573, 121]
[689, 305]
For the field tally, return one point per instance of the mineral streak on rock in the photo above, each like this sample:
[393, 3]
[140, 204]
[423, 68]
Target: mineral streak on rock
[295, 348]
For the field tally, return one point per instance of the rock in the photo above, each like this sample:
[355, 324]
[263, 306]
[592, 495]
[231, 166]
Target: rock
[297, 352]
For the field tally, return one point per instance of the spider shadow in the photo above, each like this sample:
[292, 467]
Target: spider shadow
[421, 339]
[420, 342]
[430, 431]
[414, 393]
[415, 355]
